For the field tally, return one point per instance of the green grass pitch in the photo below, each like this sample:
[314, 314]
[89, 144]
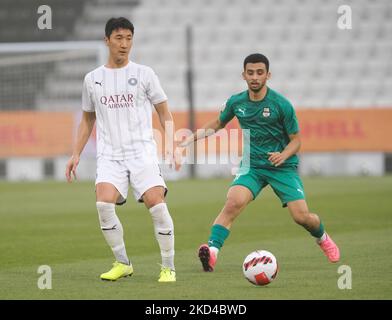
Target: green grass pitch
[56, 224]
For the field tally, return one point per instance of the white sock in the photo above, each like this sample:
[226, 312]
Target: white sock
[215, 250]
[323, 237]
[164, 233]
[112, 230]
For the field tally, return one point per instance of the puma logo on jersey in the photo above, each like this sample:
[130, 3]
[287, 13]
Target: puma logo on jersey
[242, 110]
[100, 83]
[237, 176]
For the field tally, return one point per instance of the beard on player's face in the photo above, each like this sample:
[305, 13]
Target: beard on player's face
[256, 86]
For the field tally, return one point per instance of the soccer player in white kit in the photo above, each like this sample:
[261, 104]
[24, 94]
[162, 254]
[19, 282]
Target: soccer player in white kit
[119, 97]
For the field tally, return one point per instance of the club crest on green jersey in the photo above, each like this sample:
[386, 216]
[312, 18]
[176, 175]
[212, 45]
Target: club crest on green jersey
[266, 112]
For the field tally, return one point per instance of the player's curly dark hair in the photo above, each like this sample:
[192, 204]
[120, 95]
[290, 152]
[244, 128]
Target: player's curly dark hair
[118, 23]
[256, 58]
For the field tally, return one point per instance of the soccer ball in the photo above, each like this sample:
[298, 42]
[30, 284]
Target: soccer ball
[260, 267]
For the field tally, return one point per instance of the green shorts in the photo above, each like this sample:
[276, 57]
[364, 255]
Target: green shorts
[285, 182]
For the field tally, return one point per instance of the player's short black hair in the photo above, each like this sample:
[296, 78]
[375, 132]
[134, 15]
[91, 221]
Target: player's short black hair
[256, 58]
[118, 23]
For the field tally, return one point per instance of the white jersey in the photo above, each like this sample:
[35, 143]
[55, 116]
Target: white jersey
[123, 99]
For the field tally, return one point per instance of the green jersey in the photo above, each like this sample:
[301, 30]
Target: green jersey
[269, 122]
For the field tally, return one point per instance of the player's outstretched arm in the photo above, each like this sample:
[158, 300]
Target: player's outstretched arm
[207, 130]
[84, 131]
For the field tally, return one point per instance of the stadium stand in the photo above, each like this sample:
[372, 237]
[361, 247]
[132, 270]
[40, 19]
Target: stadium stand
[50, 80]
[18, 23]
[313, 62]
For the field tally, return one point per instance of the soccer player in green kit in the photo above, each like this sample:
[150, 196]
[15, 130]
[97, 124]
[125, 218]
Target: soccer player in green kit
[274, 140]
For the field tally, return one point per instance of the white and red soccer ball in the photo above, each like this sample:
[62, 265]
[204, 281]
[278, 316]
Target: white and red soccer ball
[260, 267]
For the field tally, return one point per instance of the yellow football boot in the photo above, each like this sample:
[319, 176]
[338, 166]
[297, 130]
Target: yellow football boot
[118, 271]
[167, 275]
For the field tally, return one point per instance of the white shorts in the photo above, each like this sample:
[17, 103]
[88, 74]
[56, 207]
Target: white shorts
[140, 175]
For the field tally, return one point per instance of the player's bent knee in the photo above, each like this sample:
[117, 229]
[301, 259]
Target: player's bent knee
[233, 207]
[106, 192]
[152, 198]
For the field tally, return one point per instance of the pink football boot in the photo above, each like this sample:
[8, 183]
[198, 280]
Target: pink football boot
[207, 258]
[330, 249]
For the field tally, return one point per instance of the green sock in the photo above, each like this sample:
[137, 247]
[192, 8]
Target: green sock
[318, 232]
[218, 236]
